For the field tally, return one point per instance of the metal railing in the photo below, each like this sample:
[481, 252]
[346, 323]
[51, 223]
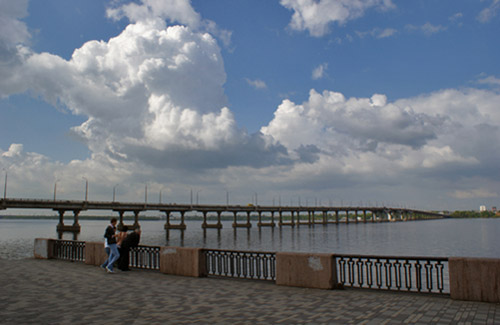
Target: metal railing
[414, 274]
[70, 250]
[145, 257]
[396, 273]
[238, 264]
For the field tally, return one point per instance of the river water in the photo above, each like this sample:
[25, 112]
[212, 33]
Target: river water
[445, 237]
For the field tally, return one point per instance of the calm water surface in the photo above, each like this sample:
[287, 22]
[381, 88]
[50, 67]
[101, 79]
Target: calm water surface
[447, 237]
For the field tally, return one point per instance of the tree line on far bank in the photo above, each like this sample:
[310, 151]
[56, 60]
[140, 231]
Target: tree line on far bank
[474, 214]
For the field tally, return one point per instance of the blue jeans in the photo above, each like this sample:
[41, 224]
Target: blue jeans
[113, 255]
[106, 261]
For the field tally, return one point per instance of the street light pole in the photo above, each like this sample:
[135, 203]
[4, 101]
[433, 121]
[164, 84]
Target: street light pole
[114, 190]
[55, 188]
[5, 185]
[86, 188]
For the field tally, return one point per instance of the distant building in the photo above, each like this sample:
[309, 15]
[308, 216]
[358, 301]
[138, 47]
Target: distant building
[482, 208]
[494, 209]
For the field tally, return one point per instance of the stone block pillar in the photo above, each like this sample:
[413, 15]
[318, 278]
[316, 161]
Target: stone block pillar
[184, 261]
[95, 253]
[475, 279]
[309, 270]
[44, 248]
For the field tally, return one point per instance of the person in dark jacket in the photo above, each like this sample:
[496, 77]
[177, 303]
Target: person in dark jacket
[131, 241]
[110, 235]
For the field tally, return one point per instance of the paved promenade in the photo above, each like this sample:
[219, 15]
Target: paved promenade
[59, 292]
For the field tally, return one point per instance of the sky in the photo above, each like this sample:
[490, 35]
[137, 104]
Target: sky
[326, 102]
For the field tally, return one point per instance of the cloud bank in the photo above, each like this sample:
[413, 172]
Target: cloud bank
[156, 112]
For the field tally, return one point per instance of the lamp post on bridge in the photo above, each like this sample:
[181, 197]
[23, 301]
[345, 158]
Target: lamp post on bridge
[5, 185]
[114, 191]
[55, 188]
[86, 188]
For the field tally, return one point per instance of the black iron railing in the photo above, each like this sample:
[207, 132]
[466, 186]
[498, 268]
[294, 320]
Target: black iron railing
[238, 264]
[71, 250]
[414, 274]
[145, 257]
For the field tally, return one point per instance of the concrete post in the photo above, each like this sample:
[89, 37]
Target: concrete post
[75, 218]
[95, 253]
[474, 279]
[185, 261]
[182, 219]
[120, 222]
[44, 248]
[136, 219]
[308, 270]
[60, 225]
[204, 225]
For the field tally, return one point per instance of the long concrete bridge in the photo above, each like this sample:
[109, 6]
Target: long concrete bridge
[241, 214]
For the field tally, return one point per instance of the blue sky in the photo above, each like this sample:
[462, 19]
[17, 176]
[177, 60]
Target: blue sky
[341, 101]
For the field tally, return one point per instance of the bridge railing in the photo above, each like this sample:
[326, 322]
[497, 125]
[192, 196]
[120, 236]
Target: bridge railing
[414, 274]
[241, 264]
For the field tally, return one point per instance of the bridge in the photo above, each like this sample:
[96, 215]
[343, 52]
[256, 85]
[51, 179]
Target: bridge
[242, 215]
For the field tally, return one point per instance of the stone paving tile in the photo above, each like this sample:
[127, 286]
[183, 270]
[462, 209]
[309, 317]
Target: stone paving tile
[60, 292]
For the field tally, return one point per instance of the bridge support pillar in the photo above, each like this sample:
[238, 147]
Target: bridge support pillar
[121, 224]
[75, 218]
[266, 224]
[346, 216]
[61, 227]
[241, 225]
[169, 225]
[206, 225]
[61, 219]
[136, 219]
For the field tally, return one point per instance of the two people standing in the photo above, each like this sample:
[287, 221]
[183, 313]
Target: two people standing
[118, 246]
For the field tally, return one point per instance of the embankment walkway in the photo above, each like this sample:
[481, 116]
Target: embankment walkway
[61, 292]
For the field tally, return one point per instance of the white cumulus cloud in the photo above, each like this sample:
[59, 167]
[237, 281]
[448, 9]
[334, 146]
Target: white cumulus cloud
[256, 83]
[316, 16]
[320, 71]
[488, 13]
